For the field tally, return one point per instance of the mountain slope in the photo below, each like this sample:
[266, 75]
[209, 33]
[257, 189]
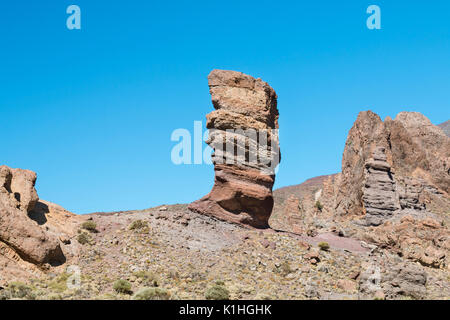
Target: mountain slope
[446, 127]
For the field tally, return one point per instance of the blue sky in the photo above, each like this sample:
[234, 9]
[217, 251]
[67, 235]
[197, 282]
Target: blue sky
[92, 110]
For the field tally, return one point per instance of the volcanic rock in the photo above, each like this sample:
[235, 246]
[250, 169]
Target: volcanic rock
[445, 127]
[401, 279]
[393, 165]
[245, 141]
[380, 199]
[18, 231]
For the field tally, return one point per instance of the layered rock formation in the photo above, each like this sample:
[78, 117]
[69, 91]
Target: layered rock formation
[245, 147]
[393, 165]
[380, 198]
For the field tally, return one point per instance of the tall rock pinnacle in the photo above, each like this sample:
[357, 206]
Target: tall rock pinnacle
[243, 133]
[393, 165]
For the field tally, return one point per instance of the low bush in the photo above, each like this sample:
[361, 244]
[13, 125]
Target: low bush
[19, 290]
[319, 206]
[324, 246]
[285, 268]
[89, 226]
[83, 238]
[152, 294]
[217, 292]
[138, 224]
[122, 286]
[148, 278]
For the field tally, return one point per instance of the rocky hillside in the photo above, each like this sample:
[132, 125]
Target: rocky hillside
[376, 230]
[392, 191]
[35, 235]
[170, 252]
[446, 127]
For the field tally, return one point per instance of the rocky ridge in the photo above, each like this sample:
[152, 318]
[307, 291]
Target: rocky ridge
[445, 127]
[417, 159]
[34, 235]
[392, 191]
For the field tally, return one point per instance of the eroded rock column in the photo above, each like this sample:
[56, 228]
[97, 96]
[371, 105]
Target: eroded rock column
[380, 198]
[243, 133]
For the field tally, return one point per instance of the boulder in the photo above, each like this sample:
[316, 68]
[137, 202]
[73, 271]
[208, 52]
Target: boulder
[18, 198]
[393, 281]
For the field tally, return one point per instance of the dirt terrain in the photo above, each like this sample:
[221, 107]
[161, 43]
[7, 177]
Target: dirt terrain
[186, 253]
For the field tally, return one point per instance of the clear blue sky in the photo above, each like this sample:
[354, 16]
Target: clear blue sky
[92, 111]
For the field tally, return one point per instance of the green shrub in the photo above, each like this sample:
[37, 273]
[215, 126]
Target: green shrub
[4, 295]
[138, 224]
[53, 296]
[83, 238]
[19, 290]
[217, 292]
[324, 246]
[148, 278]
[122, 286]
[173, 274]
[89, 226]
[285, 268]
[59, 284]
[319, 206]
[152, 294]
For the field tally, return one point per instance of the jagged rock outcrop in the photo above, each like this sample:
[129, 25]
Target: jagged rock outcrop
[422, 239]
[245, 149]
[393, 165]
[18, 231]
[445, 127]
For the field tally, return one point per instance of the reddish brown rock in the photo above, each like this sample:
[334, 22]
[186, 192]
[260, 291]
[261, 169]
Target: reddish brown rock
[17, 230]
[393, 165]
[296, 208]
[346, 285]
[246, 111]
[423, 240]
